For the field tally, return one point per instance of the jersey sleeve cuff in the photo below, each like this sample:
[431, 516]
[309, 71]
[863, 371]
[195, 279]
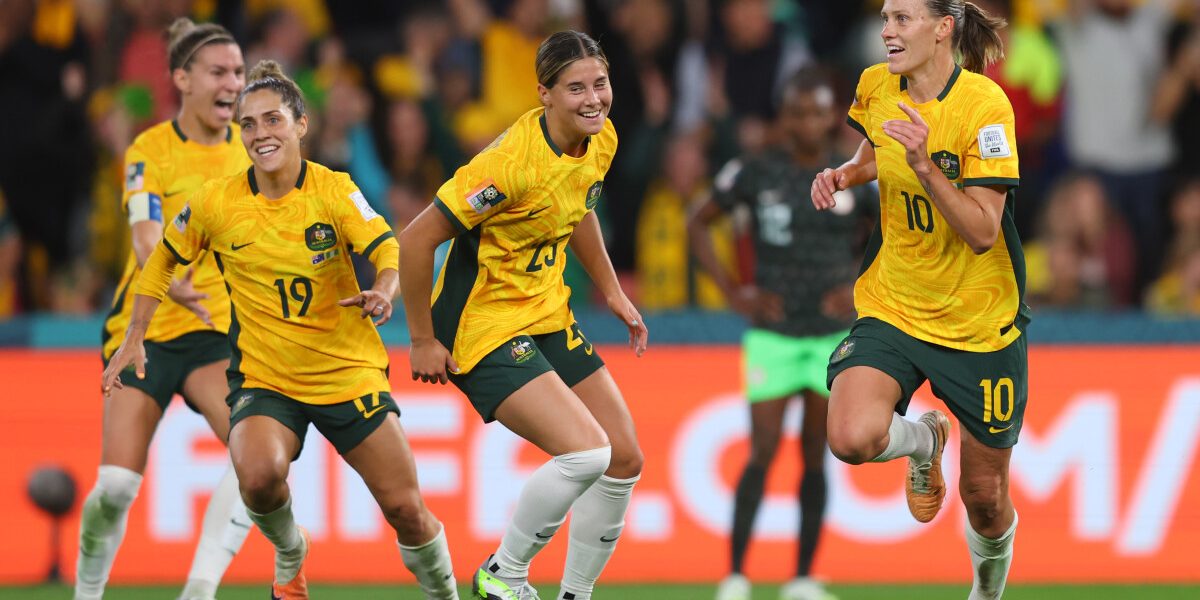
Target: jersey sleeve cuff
[180, 259]
[376, 242]
[859, 128]
[1011, 182]
[453, 218]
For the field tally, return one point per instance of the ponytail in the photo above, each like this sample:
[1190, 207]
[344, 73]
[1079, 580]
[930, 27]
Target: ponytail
[976, 33]
[978, 39]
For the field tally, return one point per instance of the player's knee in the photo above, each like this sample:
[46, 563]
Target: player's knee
[406, 513]
[983, 498]
[118, 487]
[586, 465]
[762, 449]
[853, 445]
[262, 483]
[626, 462]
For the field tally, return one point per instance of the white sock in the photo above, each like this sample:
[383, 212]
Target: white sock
[279, 527]
[225, 527]
[990, 560]
[597, 519]
[430, 562]
[102, 527]
[543, 506]
[907, 438]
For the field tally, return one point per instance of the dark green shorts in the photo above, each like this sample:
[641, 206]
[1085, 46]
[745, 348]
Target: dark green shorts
[521, 359]
[345, 424]
[986, 391]
[169, 363]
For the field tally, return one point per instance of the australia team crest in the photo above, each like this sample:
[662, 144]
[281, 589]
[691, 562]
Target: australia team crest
[320, 236]
[947, 162]
[593, 195]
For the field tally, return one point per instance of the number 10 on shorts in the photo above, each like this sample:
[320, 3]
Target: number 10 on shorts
[998, 399]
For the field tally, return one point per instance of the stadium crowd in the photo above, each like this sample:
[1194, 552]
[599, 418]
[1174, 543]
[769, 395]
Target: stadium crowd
[1106, 95]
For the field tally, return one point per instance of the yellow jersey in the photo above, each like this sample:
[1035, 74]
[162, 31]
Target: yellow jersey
[286, 263]
[918, 274]
[166, 167]
[515, 206]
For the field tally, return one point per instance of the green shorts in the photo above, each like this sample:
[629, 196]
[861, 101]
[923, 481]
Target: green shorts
[169, 363]
[986, 391]
[345, 424]
[775, 365]
[518, 361]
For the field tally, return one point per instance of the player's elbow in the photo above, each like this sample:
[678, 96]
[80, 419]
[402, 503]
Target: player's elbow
[982, 241]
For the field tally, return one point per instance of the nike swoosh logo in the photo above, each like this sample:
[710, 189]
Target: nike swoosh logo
[236, 247]
[995, 430]
[612, 539]
[543, 537]
[367, 414]
[537, 210]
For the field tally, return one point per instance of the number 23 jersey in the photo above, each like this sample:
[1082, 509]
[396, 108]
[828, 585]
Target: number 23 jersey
[515, 206]
[918, 273]
[286, 263]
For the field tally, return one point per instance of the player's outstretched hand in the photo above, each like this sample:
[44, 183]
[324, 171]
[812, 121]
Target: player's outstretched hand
[639, 335]
[184, 293]
[131, 352]
[430, 361]
[826, 184]
[373, 304]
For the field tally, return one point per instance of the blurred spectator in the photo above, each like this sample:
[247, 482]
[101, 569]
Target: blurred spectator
[508, 34]
[10, 259]
[45, 159]
[144, 54]
[1113, 51]
[1084, 257]
[642, 39]
[1177, 102]
[1177, 292]
[284, 38]
[750, 59]
[1031, 76]
[665, 278]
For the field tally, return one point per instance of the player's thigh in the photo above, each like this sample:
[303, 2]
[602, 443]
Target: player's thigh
[130, 418]
[986, 391]
[983, 486]
[516, 385]
[206, 389]
[580, 367]
[599, 393]
[266, 434]
[870, 375]
[384, 461]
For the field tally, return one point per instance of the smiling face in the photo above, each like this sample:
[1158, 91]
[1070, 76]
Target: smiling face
[270, 131]
[579, 101]
[210, 85]
[911, 34]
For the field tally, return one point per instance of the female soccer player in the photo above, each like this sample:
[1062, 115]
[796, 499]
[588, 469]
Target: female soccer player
[799, 309]
[281, 234]
[939, 295]
[501, 330]
[186, 345]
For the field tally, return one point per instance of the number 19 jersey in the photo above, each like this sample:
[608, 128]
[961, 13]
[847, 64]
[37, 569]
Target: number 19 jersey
[286, 263]
[918, 273]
